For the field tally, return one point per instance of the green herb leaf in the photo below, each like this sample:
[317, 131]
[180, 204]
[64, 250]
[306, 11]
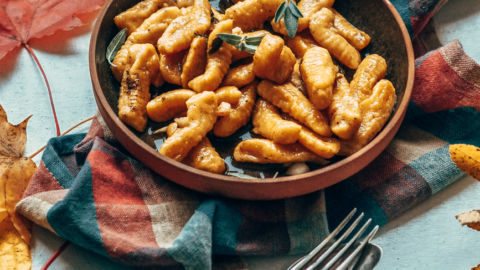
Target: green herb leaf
[294, 9]
[291, 23]
[280, 11]
[255, 41]
[249, 49]
[216, 45]
[230, 38]
[115, 45]
[249, 46]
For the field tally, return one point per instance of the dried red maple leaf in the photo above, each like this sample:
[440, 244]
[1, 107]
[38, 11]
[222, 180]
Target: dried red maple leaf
[21, 20]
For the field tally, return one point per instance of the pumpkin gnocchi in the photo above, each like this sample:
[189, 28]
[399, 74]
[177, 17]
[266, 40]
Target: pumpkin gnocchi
[307, 110]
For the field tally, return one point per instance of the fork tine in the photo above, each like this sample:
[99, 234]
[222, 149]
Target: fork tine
[324, 242]
[324, 255]
[347, 246]
[347, 261]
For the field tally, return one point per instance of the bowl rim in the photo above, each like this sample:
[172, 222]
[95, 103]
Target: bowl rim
[392, 124]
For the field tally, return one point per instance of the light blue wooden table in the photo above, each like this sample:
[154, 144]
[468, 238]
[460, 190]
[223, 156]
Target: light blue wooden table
[426, 237]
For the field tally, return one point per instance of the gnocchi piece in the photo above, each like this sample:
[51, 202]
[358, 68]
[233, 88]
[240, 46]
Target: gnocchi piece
[224, 109]
[266, 151]
[229, 94]
[201, 116]
[239, 76]
[269, 123]
[171, 67]
[204, 157]
[251, 14]
[308, 9]
[179, 34]
[290, 100]
[171, 129]
[149, 32]
[236, 54]
[182, 121]
[142, 68]
[301, 43]
[296, 78]
[357, 38]
[318, 73]
[195, 62]
[372, 69]
[267, 55]
[344, 111]
[240, 115]
[168, 105]
[322, 146]
[376, 110]
[133, 17]
[218, 62]
[284, 67]
[272, 60]
[323, 30]
[219, 16]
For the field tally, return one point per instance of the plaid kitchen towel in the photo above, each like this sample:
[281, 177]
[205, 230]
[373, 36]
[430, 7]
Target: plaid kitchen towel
[89, 191]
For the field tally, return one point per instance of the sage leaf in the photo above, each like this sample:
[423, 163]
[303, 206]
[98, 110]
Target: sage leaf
[216, 45]
[230, 38]
[291, 23]
[294, 9]
[280, 11]
[237, 41]
[115, 45]
[249, 49]
[240, 46]
[254, 40]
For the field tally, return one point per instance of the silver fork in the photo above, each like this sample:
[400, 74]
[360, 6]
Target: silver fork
[351, 259]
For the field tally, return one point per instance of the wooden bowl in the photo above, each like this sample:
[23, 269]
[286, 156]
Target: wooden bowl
[390, 39]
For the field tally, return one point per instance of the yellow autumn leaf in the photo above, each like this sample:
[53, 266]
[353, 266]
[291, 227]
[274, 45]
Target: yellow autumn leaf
[471, 219]
[13, 182]
[467, 159]
[14, 252]
[15, 174]
[3, 214]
